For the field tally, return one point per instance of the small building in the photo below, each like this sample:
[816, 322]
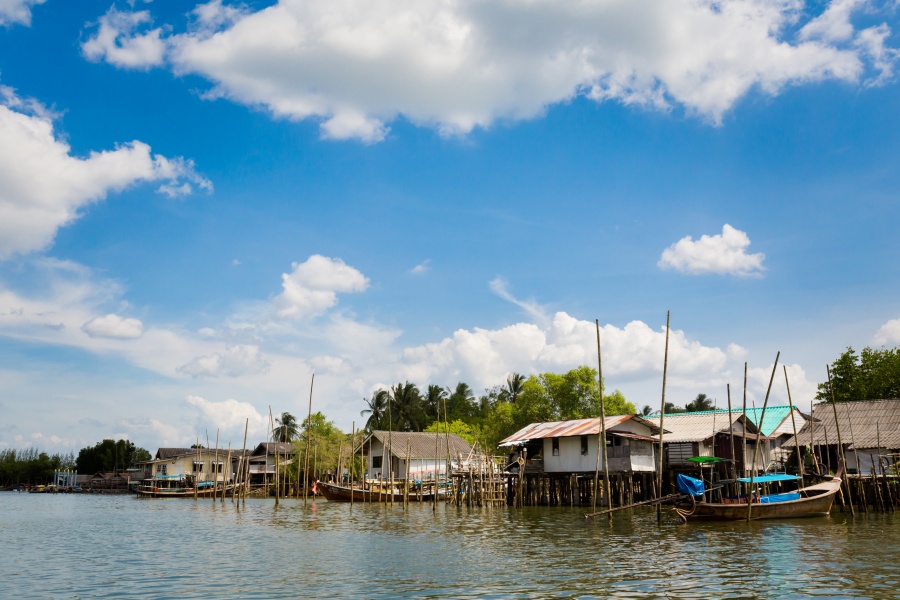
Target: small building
[262, 461]
[429, 454]
[870, 433]
[204, 464]
[573, 446]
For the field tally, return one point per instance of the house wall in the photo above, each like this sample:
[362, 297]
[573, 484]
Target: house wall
[631, 455]
[868, 459]
[419, 468]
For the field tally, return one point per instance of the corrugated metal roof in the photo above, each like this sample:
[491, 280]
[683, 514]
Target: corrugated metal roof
[774, 417]
[578, 427]
[864, 424]
[421, 444]
[698, 426]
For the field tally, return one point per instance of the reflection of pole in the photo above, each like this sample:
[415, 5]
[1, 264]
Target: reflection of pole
[308, 439]
[662, 417]
[758, 431]
[794, 423]
[837, 426]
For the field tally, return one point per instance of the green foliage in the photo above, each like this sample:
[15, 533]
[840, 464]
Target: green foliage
[459, 427]
[700, 403]
[110, 455]
[287, 429]
[872, 375]
[406, 410]
[31, 466]
[377, 411]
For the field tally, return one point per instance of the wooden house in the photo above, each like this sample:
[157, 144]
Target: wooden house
[204, 464]
[262, 461]
[870, 433]
[387, 454]
[572, 446]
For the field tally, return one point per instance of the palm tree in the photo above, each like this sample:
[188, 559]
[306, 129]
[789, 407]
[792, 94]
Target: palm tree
[432, 400]
[701, 402]
[406, 406]
[515, 383]
[377, 411]
[461, 403]
[287, 429]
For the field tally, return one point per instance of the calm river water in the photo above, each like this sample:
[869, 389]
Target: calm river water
[66, 546]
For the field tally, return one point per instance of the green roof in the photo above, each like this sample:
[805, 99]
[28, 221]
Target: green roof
[775, 416]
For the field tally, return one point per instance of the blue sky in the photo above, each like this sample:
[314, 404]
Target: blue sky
[201, 205]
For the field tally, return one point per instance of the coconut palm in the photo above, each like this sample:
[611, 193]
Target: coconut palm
[515, 383]
[287, 429]
[377, 411]
[701, 402]
[432, 400]
[406, 407]
[461, 402]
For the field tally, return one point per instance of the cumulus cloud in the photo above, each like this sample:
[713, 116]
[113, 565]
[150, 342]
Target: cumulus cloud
[17, 11]
[228, 416]
[724, 254]
[356, 65]
[114, 326]
[117, 41]
[236, 361]
[312, 287]
[43, 187]
[888, 334]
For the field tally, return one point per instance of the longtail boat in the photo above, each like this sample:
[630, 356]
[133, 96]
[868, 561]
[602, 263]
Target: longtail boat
[810, 501]
[339, 493]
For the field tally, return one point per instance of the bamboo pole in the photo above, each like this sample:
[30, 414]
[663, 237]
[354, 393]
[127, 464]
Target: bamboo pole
[199, 456]
[602, 438]
[308, 440]
[225, 481]
[447, 436]
[794, 423]
[406, 483]
[837, 426]
[758, 432]
[662, 417]
[437, 451]
[731, 432]
[352, 460]
[862, 491]
[275, 448]
[216, 469]
[744, 437]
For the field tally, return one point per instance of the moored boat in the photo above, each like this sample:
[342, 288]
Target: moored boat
[339, 493]
[179, 486]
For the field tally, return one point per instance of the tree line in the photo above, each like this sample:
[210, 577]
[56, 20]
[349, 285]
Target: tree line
[32, 467]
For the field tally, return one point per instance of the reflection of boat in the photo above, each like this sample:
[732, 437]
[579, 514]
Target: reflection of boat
[810, 501]
[179, 486]
[339, 493]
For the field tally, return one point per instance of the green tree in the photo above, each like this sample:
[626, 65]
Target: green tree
[515, 382]
[461, 403]
[377, 411]
[434, 397]
[700, 403]
[110, 455]
[407, 412]
[871, 375]
[616, 404]
[287, 429]
[459, 427]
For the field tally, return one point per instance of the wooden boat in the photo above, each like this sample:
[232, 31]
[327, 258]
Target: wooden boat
[811, 501]
[339, 493]
[179, 486]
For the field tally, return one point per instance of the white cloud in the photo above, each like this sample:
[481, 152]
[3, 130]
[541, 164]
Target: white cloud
[118, 43]
[229, 417]
[888, 334]
[356, 65]
[421, 268]
[114, 326]
[43, 187]
[17, 11]
[499, 286]
[724, 254]
[236, 361]
[311, 288]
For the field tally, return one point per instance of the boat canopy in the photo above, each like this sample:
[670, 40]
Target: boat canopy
[770, 478]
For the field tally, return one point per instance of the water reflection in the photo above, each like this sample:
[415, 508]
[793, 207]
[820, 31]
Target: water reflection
[96, 547]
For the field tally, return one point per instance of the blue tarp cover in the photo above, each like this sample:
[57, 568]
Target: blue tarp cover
[786, 497]
[689, 485]
[770, 478]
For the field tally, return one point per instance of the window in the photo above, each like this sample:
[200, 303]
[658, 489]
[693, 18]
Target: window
[198, 467]
[161, 469]
[376, 462]
[217, 467]
[555, 442]
[584, 445]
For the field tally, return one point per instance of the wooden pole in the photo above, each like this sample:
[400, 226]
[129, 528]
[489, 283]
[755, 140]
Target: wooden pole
[308, 440]
[275, 448]
[406, 481]
[837, 426]
[731, 432]
[864, 504]
[758, 432]
[216, 469]
[224, 480]
[352, 460]
[662, 417]
[794, 423]
[744, 437]
[199, 457]
[243, 458]
[602, 438]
